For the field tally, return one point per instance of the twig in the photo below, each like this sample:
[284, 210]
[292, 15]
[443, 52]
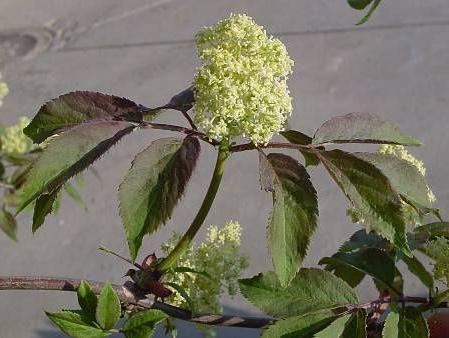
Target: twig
[179, 129]
[251, 146]
[129, 295]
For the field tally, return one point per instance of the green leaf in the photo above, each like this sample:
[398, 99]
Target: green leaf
[370, 193]
[108, 308]
[87, 299]
[432, 230]
[359, 4]
[407, 324]
[418, 269]
[72, 109]
[310, 291]
[44, 206]
[371, 261]
[301, 326]
[72, 324]
[154, 184]
[361, 128]
[294, 216]
[356, 326]
[335, 329]
[8, 224]
[403, 176]
[142, 324]
[69, 154]
[373, 7]
[297, 137]
[182, 292]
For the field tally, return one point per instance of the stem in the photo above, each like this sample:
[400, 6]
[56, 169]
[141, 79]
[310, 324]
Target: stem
[251, 146]
[184, 242]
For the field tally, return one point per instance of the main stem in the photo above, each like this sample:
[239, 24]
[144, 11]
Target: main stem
[184, 242]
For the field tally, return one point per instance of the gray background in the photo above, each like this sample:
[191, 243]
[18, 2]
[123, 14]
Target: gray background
[397, 66]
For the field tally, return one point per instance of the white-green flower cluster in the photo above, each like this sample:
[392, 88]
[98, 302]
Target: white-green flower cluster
[13, 140]
[438, 249]
[219, 257]
[241, 85]
[3, 90]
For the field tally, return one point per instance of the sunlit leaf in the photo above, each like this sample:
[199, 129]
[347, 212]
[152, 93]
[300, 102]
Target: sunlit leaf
[108, 308]
[154, 184]
[87, 299]
[74, 325]
[409, 323]
[143, 323]
[301, 326]
[361, 128]
[294, 216]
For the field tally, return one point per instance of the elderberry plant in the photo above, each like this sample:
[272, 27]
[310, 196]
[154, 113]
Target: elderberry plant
[240, 92]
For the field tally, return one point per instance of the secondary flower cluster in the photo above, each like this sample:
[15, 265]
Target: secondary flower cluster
[3, 90]
[438, 249]
[219, 257]
[13, 140]
[241, 85]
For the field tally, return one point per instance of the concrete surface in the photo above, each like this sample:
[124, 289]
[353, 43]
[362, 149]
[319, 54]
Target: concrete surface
[397, 66]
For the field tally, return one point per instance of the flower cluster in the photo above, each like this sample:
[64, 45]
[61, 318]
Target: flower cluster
[241, 85]
[219, 257]
[438, 249]
[13, 140]
[3, 90]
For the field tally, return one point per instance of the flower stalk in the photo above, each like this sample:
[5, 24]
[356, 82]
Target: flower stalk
[186, 240]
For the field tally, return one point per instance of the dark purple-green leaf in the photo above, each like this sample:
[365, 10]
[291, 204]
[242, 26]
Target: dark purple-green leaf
[370, 193]
[297, 137]
[72, 109]
[361, 128]
[154, 184]
[294, 216]
[70, 153]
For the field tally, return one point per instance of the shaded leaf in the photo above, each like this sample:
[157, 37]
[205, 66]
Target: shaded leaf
[87, 299]
[371, 261]
[108, 308]
[370, 193]
[359, 4]
[418, 269]
[72, 324]
[301, 326]
[361, 128]
[373, 7]
[72, 109]
[44, 206]
[294, 216]
[356, 326]
[406, 324]
[403, 176]
[297, 137]
[182, 101]
[310, 291]
[432, 230]
[154, 184]
[395, 289]
[182, 292]
[185, 269]
[69, 154]
[143, 323]
[8, 224]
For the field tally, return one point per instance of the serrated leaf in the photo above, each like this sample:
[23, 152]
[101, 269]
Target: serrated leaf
[403, 176]
[143, 323]
[72, 109]
[44, 206]
[359, 4]
[361, 128]
[370, 193]
[69, 154]
[154, 184]
[356, 326]
[371, 261]
[8, 224]
[407, 324]
[72, 324]
[418, 269]
[297, 137]
[294, 216]
[87, 299]
[301, 326]
[335, 329]
[108, 308]
[310, 291]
